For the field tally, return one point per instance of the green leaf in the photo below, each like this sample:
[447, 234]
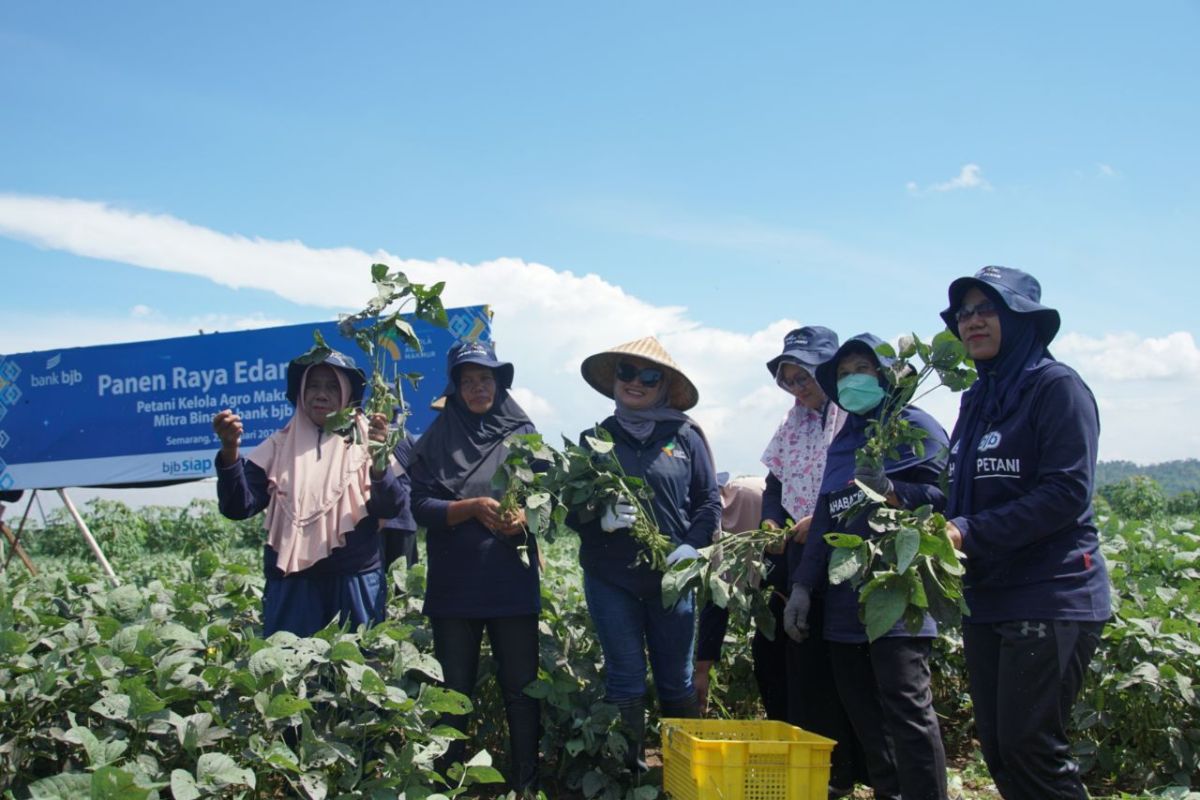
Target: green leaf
[346, 651]
[219, 770]
[843, 540]
[379, 272]
[883, 609]
[844, 564]
[183, 786]
[110, 783]
[908, 544]
[598, 446]
[12, 643]
[886, 350]
[444, 701]
[64, 786]
[286, 705]
[594, 782]
[143, 702]
[114, 706]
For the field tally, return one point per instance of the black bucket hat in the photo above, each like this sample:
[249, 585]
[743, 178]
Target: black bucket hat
[810, 347]
[862, 343]
[341, 361]
[476, 352]
[1019, 291]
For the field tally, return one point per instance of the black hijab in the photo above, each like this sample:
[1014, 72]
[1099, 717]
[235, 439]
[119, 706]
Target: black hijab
[462, 450]
[996, 394]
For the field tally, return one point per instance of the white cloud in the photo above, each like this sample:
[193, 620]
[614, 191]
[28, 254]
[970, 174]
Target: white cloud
[140, 311]
[1107, 170]
[548, 320]
[969, 177]
[1125, 357]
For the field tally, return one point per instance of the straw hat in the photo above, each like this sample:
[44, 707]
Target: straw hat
[600, 371]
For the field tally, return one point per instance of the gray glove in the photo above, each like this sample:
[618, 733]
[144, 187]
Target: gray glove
[618, 517]
[680, 553]
[874, 479]
[795, 613]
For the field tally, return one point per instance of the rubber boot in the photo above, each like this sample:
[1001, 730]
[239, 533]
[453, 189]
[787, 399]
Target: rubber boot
[633, 716]
[687, 708]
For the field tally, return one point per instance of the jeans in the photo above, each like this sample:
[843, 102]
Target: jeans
[514, 640]
[628, 626]
[1024, 677]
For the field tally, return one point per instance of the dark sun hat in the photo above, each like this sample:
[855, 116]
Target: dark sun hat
[810, 347]
[341, 361]
[1019, 291]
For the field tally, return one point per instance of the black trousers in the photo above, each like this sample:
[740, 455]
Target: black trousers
[1024, 678]
[813, 702]
[770, 665]
[514, 640]
[884, 687]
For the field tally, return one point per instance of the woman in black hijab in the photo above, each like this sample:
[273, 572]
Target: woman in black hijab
[477, 579]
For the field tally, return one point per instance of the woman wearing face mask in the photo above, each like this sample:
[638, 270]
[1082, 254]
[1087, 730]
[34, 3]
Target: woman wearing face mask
[794, 679]
[324, 502]
[656, 441]
[1023, 459]
[477, 580]
[883, 685]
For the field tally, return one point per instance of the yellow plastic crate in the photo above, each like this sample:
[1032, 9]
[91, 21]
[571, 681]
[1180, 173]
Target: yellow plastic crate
[707, 759]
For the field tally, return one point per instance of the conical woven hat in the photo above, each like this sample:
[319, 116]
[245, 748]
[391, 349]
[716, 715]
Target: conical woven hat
[600, 371]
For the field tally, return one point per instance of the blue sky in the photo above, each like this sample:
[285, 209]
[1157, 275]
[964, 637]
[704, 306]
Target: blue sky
[725, 173]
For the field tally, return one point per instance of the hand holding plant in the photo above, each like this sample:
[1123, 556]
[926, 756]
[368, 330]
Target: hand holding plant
[909, 566]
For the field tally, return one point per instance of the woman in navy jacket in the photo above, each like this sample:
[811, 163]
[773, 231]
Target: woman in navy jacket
[477, 579]
[1023, 460]
[655, 441]
[883, 685]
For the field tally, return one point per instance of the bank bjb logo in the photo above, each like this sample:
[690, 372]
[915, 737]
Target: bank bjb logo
[990, 441]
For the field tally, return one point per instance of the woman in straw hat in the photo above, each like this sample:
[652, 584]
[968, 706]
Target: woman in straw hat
[324, 502]
[656, 441]
[477, 580]
[1023, 461]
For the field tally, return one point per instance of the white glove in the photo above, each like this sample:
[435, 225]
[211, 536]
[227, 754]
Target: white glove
[680, 553]
[619, 516]
[795, 613]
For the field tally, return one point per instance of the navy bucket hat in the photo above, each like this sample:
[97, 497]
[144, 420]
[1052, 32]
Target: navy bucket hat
[862, 343]
[1019, 291]
[340, 361]
[810, 347]
[476, 352]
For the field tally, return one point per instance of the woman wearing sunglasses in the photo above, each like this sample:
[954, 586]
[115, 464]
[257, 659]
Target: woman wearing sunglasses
[656, 441]
[1023, 460]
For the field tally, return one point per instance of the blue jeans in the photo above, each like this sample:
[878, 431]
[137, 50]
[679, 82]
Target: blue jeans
[627, 626]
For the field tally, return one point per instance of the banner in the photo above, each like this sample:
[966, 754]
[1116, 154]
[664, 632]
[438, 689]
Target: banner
[142, 412]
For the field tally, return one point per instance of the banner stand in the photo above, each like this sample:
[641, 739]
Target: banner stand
[87, 535]
[14, 542]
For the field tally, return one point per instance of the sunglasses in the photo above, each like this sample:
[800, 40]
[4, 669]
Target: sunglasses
[646, 376]
[985, 310]
[798, 381]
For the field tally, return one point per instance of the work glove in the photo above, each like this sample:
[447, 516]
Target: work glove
[680, 553]
[874, 479]
[619, 516]
[795, 613]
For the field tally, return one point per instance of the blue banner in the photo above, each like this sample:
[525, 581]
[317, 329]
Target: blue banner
[142, 412]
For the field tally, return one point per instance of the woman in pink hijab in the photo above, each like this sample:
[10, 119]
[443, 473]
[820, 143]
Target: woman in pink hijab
[324, 502]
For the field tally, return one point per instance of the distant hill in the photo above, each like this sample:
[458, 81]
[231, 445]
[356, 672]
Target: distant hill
[1173, 476]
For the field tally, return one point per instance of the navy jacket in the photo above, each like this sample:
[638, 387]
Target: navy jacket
[1032, 549]
[915, 486]
[474, 573]
[687, 504]
[242, 493]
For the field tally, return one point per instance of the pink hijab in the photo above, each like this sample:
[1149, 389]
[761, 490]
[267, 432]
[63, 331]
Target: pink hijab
[318, 483]
[796, 455]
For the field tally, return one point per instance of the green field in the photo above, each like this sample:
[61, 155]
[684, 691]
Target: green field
[162, 687]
